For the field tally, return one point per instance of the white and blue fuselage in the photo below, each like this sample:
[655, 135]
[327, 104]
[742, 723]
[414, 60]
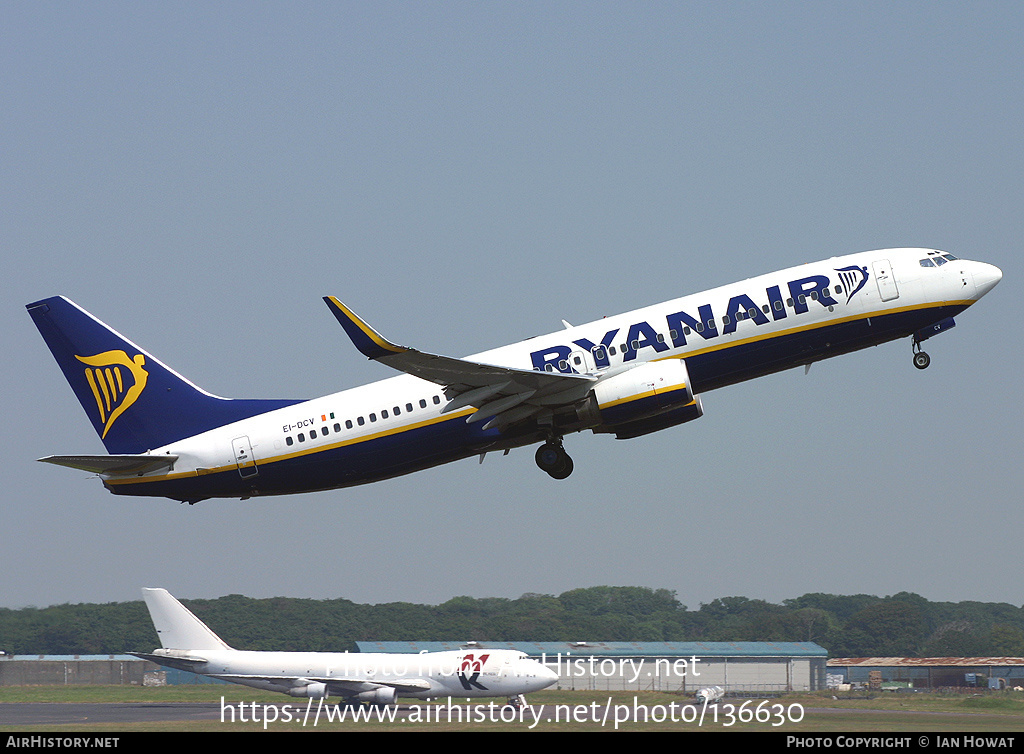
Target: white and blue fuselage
[628, 375]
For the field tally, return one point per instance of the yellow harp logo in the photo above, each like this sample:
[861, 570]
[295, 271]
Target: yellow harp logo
[110, 385]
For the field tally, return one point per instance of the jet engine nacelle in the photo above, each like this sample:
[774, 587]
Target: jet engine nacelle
[385, 695]
[664, 420]
[309, 691]
[644, 399]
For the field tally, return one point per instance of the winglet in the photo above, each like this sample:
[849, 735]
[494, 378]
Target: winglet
[369, 342]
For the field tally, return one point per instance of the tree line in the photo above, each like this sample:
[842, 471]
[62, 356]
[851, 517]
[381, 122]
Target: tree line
[861, 625]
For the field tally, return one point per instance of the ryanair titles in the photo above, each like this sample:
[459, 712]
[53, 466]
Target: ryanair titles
[704, 323]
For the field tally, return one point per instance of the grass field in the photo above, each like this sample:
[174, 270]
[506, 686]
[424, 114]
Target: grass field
[563, 711]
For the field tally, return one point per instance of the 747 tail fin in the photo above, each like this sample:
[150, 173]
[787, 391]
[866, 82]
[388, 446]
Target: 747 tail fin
[177, 627]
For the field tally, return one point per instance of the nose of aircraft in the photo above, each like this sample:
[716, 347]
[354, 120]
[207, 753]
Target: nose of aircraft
[985, 277]
[546, 676]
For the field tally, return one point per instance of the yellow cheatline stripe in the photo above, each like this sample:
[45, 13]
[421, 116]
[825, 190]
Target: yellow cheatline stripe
[296, 454]
[813, 326]
[647, 394]
[368, 331]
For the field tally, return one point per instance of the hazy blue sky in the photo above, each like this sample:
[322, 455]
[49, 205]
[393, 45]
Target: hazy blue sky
[466, 175]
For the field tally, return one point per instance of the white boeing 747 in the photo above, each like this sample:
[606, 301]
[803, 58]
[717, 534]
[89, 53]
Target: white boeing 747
[626, 375]
[378, 678]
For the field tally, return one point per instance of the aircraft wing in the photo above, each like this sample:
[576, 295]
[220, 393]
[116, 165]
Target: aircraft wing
[338, 686]
[501, 394]
[356, 685]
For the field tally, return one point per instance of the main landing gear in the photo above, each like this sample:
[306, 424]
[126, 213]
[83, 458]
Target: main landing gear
[921, 359]
[553, 459]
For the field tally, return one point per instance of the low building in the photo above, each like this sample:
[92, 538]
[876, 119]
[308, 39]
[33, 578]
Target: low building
[930, 672]
[72, 670]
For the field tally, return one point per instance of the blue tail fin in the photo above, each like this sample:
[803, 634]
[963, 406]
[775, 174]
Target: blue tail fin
[135, 402]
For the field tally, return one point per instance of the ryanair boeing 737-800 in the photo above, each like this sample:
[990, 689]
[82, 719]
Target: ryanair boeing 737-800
[626, 375]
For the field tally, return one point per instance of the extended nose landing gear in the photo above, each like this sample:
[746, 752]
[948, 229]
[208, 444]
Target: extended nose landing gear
[921, 359]
[554, 460]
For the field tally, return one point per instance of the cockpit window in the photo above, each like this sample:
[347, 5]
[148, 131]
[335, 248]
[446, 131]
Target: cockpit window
[927, 263]
[950, 257]
[939, 261]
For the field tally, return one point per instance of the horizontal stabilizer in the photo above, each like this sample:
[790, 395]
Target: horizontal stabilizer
[191, 664]
[116, 465]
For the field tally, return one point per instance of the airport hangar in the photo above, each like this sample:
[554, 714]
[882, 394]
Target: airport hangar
[930, 672]
[752, 667]
[685, 666]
